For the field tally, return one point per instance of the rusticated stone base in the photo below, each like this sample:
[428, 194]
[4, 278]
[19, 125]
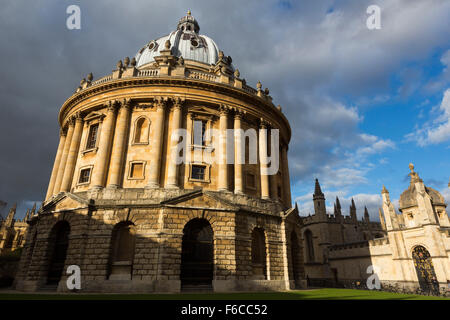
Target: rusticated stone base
[159, 219]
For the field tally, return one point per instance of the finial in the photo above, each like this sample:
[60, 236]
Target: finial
[90, 77]
[189, 12]
[259, 85]
[411, 167]
[279, 107]
[221, 55]
[237, 74]
[384, 190]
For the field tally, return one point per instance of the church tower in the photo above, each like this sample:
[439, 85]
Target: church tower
[319, 202]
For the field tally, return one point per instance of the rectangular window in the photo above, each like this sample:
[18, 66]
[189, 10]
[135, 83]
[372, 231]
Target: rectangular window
[92, 137]
[84, 175]
[198, 172]
[250, 181]
[199, 132]
[137, 170]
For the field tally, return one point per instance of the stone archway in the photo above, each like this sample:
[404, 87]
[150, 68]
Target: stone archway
[197, 256]
[59, 238]
[425, 270]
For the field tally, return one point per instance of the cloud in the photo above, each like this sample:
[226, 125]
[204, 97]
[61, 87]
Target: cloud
[437, 130]
[315, 56]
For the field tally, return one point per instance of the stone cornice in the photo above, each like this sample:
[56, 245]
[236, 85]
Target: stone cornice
[131, 82]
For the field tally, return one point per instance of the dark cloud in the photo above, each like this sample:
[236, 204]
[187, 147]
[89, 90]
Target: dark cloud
[308, 53]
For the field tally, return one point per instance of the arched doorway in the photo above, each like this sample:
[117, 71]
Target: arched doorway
[425, 270]
[59, 237]
[197, 254]
[259, 262]
[295, 257]
[122, 251]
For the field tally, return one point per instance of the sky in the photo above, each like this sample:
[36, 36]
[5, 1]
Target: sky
[362, 103]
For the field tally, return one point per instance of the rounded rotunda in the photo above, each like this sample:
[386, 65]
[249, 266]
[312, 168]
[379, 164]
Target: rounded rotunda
[171, 174]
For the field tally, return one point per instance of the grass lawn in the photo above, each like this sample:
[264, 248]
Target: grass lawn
[312, 294]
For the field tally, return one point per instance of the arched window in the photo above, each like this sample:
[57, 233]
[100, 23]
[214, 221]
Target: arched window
[59, 242]
[122, 251]
[259, 254]
[309, 244]
[141, 130]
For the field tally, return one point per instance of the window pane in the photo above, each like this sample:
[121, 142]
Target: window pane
[137, 170]
[84, 175]
[198, 172]
[92, 138]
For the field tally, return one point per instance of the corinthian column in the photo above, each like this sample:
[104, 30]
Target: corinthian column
[223, 167]
[63, 161]
[263, 160]
[286, 183]
[239, 154]
[73, 154]
[155, 162]
[172, 173]
[59, 152]
[119, 144]
[104, 148]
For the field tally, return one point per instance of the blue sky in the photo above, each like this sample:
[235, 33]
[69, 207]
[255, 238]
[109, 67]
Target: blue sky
[362, 103]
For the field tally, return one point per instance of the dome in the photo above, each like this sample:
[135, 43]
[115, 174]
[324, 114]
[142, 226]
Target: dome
[408, 197]
[184, 42]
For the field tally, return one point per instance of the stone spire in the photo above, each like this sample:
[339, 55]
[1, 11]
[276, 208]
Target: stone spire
[11, 214]
[366, 215]
[353, 211]
[317, 191]
[384, 190]
[338, 207]
[27, 215]
[319, 202]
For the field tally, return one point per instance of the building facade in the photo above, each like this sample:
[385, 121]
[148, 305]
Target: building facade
[411, 252]
[136, 198]
[322, 230]
[13, 231]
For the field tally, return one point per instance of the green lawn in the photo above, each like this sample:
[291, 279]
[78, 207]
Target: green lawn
[313, 294]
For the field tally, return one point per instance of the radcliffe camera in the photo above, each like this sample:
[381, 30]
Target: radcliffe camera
[224, 160]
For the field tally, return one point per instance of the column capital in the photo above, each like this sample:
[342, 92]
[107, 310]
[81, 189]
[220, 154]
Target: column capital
[160, 102]
[62, 132]
[125, 103]
[224, 109]
[263, 124]
[112, 105]
[178, 102]
[238, 114]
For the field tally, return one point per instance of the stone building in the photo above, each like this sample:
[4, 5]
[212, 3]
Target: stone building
[412, 256]
[322, 230]
[134, 218]
[13, 231]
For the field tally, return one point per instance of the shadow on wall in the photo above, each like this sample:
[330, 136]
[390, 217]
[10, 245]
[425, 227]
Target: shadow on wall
[134, 254]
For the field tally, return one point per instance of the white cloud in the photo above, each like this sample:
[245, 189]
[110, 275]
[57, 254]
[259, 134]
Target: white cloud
[438, 129]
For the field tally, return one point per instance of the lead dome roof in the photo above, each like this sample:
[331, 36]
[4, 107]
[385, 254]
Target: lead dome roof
[185, 42]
